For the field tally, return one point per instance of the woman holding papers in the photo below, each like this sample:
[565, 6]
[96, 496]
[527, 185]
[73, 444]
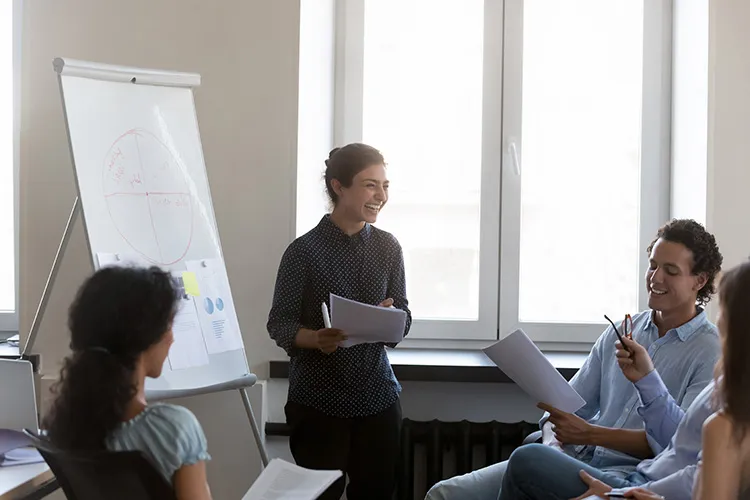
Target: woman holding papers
[343, 405]
[121, 331]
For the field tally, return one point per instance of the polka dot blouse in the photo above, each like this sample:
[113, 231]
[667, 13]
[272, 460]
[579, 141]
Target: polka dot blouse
[367, 267]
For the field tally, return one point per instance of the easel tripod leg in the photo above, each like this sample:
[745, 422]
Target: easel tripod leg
[254, 424]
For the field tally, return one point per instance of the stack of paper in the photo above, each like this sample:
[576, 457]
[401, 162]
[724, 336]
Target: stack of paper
[15, 449]
[366, 323]
[284, 481]
[521, 360]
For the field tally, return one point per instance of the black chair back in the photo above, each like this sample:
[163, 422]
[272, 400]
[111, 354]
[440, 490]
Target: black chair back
[121, 475]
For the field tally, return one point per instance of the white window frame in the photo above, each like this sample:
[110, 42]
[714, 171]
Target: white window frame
[501, 126]
[654, 175]
[348, 123]
[9, 320]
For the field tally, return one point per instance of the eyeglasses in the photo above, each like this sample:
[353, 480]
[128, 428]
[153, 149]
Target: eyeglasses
[627, 326]
[627, 329]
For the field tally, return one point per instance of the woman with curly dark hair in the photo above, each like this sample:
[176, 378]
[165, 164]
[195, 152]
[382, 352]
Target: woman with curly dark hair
[121, 331]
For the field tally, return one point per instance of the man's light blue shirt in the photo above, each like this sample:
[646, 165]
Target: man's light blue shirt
[672, 472]
[684, 357]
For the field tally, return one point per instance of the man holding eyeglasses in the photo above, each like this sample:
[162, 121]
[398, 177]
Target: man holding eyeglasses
[608, 432]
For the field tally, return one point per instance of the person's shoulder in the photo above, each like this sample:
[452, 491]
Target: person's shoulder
[178, 425]
[708, 329]
[718, 429]
[171, 417]
[299, 246]
[384, 237]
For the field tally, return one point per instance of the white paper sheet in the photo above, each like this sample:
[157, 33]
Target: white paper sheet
[20, 456]
[11, 439]
[284, 481]
[189, 347]
[366, 323]
[521, 360]
[215, 306]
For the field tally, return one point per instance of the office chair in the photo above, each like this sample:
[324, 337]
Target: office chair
[120, 475]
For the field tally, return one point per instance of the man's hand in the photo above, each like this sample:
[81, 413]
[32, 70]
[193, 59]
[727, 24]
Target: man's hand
[386, 303]
[596, 487]
[569, 428]
[635, 364]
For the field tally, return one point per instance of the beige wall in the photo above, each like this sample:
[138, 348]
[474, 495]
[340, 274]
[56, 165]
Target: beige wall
[729, 128]
[247, 54]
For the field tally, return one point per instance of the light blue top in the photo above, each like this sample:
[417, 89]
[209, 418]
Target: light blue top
[685, 357]
[672, 472]
[169, 435]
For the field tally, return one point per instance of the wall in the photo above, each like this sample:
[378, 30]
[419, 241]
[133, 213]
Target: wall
[247, 54]
[728, 202]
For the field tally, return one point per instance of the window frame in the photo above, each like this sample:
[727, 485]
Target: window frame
[500, 208]
[654, 173]
[348, 127]
[9, 320]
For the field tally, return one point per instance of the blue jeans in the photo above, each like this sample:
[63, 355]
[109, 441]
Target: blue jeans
[539, 472]
[482, 484]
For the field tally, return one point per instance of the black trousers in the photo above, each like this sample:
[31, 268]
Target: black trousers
[365, 448]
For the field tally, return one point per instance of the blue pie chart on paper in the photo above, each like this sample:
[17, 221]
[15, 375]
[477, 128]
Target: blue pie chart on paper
[209, 305]
[219, 304]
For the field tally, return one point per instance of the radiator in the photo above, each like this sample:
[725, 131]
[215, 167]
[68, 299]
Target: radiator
[461, 441]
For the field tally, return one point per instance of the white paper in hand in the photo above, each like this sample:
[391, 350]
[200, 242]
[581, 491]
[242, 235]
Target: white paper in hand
[284, 481]
[522, 361]
[365, 323]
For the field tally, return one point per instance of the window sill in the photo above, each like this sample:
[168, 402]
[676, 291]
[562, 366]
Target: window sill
[453, 365]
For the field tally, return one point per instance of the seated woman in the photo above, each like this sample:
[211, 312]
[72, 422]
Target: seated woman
[725, 465]
[121, 331]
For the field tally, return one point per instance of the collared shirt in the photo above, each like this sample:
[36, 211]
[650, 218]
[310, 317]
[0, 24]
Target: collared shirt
[685, 356]
[367, 267]
[672, 472]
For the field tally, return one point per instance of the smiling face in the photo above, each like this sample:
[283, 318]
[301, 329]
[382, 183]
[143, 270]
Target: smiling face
[670, 282]
[366, 197]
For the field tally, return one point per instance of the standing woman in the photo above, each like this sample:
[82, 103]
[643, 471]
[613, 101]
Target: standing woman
[343, 405]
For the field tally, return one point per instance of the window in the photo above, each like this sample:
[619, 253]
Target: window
[524, 142]
[9, 159]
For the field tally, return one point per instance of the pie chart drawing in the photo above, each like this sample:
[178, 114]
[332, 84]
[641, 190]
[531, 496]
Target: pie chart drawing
[148, 197]
[209, 305]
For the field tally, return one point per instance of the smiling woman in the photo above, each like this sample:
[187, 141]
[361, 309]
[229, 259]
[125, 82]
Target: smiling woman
[343, 400]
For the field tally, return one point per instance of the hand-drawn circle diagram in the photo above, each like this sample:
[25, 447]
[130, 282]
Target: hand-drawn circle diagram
[148, 198]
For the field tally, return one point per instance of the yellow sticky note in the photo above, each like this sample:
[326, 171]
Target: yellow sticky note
[191, 283]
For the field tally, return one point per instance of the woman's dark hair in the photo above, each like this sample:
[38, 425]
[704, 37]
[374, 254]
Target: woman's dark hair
[733, 371]
[117, 314]
[345, 163]
[706, 255]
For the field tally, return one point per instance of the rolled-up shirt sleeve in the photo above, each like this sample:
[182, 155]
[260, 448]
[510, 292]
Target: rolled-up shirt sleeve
[284, 320]
[660, 412]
